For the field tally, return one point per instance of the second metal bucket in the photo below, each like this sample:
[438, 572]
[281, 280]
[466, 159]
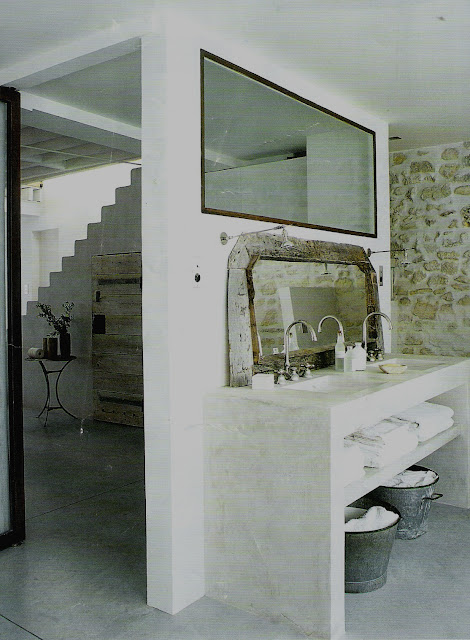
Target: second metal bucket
[413, 503]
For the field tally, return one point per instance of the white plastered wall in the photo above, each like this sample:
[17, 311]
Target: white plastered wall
[185, 332]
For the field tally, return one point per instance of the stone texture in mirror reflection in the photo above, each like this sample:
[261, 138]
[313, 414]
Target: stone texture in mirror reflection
[288, 291]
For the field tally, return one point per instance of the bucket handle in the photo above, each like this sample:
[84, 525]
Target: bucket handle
[435, 496]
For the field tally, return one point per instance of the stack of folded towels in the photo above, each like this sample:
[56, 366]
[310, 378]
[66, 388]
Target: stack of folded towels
[428, 419]
[384, 442]
[353, 462]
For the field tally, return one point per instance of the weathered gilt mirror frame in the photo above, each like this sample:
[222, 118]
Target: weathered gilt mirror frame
[243, 337]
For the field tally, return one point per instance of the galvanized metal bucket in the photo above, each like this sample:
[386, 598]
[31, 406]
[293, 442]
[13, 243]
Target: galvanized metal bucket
[367, 553]
[413, 503]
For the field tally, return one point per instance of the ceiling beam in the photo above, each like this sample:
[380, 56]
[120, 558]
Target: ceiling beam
[31, 102]
[83, 132]
[35, 160]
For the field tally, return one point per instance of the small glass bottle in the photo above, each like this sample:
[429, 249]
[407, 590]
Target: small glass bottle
[340, 352]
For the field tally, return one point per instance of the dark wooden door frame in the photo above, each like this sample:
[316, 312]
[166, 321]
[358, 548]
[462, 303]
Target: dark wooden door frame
[16, 534]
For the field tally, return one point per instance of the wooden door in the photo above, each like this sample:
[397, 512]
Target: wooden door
[117, 338]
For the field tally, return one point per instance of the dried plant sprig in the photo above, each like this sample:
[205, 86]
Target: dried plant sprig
[59, 324]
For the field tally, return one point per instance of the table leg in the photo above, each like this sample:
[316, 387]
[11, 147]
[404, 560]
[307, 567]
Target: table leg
[47, 405]
[61, 406]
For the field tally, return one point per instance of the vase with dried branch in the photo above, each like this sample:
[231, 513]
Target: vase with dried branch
[60, 325]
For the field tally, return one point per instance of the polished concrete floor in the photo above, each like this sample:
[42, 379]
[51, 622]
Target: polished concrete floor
[81, 572]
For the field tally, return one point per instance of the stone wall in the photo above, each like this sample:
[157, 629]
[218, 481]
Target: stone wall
[430, 214]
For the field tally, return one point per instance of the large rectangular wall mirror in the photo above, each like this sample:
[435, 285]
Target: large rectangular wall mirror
[268, 154]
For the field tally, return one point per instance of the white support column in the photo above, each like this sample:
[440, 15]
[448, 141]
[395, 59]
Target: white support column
[155, 329]
[173, 435]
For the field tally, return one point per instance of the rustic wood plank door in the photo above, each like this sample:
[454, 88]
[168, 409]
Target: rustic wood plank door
[117, 338]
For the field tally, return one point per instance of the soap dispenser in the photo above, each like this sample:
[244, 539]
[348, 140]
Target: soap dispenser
[340, 352]
[359, 357]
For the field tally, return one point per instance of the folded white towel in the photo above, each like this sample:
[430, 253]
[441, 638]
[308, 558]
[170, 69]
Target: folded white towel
[380, 458]
[351, 475]
[408, 479]
[384, 442]
[426, 411]
[352, 463]
[430, 429]
[374, 519]
[352, 454]
[429, 419]
[386, 432]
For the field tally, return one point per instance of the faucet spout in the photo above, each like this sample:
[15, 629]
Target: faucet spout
[340, 325]
[364, 325]
[307, 327]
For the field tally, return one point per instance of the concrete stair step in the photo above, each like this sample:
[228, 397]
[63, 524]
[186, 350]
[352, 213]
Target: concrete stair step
[118, 231]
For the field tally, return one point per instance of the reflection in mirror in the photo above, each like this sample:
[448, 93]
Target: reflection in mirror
[271, 155]
[286, 291]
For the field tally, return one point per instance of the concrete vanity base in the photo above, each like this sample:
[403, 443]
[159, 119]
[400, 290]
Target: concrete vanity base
[274, 490]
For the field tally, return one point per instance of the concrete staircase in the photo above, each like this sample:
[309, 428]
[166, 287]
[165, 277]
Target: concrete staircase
[118, 232]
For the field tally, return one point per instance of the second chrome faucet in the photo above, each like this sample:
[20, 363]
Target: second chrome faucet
[364, 325]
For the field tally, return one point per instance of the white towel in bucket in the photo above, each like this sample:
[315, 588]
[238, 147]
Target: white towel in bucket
[408, 479]
[374, 519]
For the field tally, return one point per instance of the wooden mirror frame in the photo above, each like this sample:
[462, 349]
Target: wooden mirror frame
[243, 339]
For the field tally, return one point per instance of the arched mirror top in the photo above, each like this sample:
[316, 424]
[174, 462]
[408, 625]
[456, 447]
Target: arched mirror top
[272, 282]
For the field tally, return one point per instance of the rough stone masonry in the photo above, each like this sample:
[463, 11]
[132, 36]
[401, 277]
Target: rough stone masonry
[430, 215]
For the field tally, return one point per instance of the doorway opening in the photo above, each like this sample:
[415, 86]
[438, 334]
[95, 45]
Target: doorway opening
[84, 468]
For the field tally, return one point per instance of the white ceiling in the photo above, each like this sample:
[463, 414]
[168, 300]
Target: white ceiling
[111, 89]
[407, 61]
[53, 146]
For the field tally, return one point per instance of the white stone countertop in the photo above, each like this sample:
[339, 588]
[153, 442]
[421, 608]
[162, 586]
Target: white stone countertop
[357, 399]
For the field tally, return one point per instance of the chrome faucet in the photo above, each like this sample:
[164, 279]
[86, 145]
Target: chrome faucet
[364, 325]
[340, 326]
[306, 327]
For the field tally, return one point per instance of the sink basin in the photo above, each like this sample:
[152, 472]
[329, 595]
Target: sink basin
[359, 380]
[412, 364]
[332, 383]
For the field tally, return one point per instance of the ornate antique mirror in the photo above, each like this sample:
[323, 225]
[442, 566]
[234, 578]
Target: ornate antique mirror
[269, 154]
[270, 285]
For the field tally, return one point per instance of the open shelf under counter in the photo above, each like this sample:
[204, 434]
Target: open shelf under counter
[375, 476]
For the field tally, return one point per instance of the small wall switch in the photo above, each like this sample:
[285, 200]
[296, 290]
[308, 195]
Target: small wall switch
[381, 276]
[196, 273]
